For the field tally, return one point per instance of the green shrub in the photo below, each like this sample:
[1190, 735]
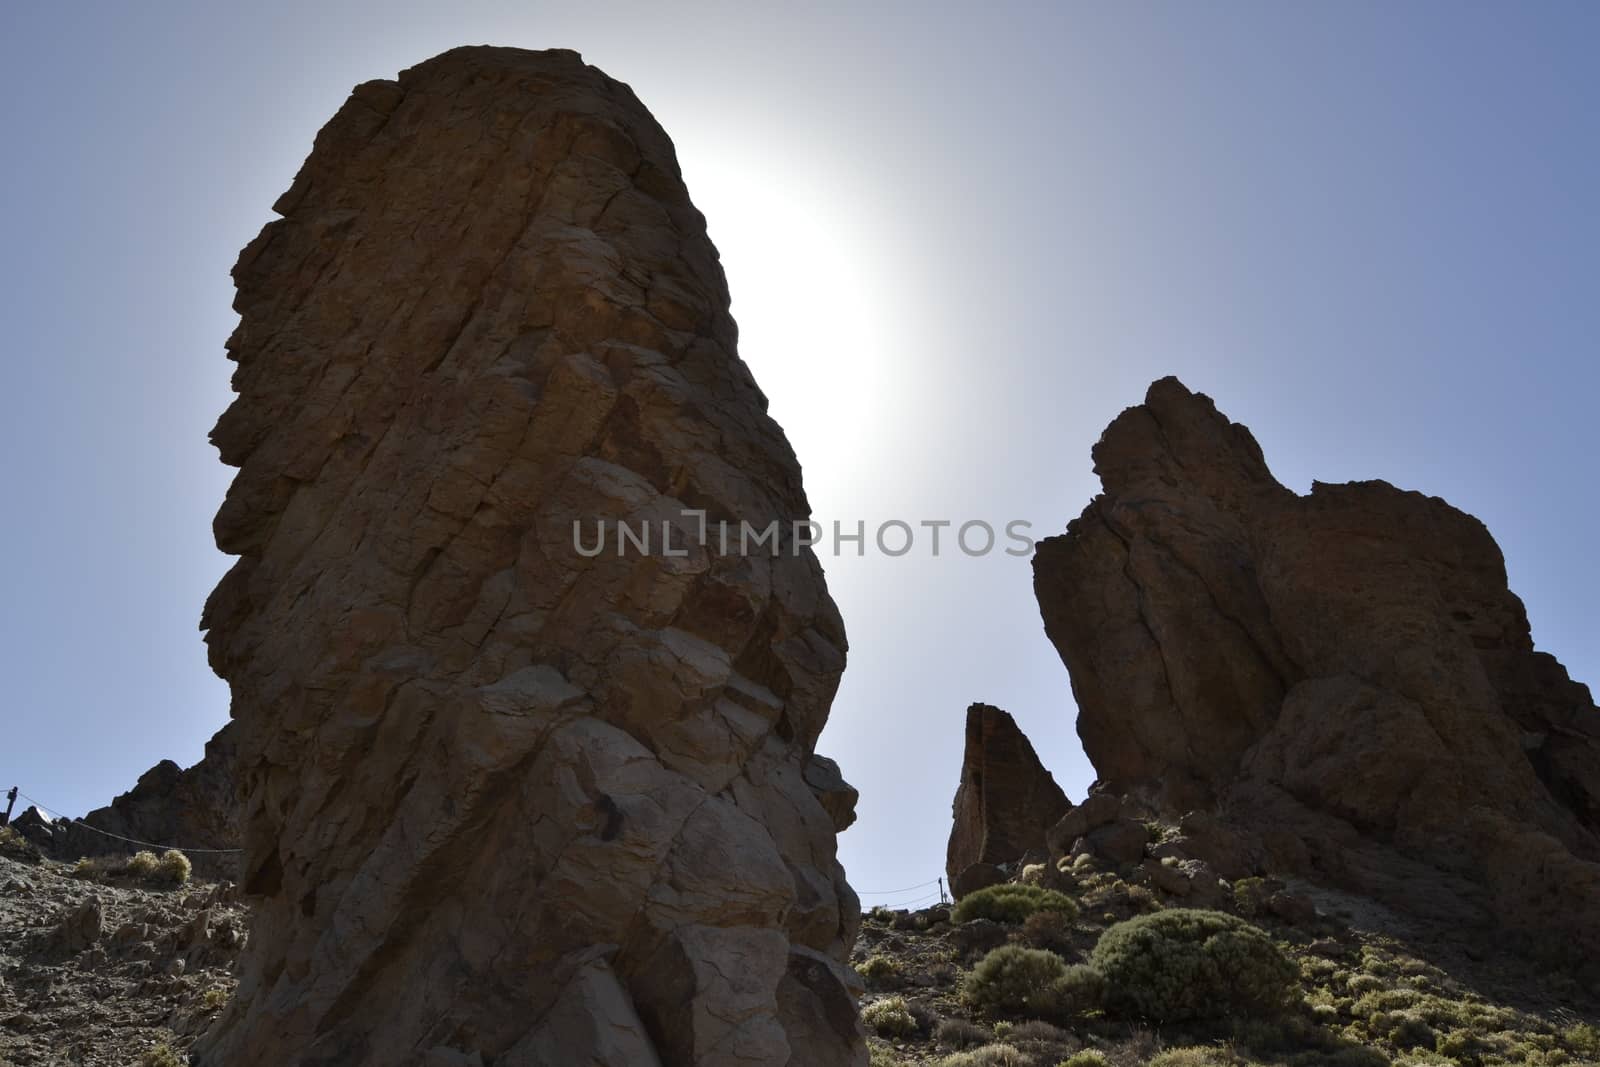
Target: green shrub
[1012, 903]
[878, 968]
[214, 999]
[988, 1056]
[1194, 1056]
[1365, 983]
[173, 867]
[1013, 980]
[1189, 964]
[141, 865]
[1080, 990]
[1250, 896]
[1582, 1039]
[1354, 1056]
[882, 1056]
[1050, 930]
[889, 1017]
[17, 847]
[1087, 1058]
[1411, 1031]
[960, 1033]
[89, 869]
[162, 1055]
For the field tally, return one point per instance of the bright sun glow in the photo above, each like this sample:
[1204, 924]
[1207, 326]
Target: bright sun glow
[811, 299]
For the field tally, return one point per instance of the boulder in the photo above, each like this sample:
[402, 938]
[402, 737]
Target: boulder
[80, 926]
[1346, 674]
[1006, 800]
[527, 660]
[1169, 878]
[1096, 810]
[974, 877]
[1122, 841]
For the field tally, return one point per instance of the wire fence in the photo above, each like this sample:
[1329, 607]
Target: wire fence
[918, 900]
[47, 809]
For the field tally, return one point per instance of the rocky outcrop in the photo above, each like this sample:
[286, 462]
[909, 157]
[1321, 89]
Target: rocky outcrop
[194, 809]
[1345, 672]
[504, 798]
[1004, 805]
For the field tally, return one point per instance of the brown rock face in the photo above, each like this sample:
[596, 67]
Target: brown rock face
[1345, 671]
[1006, 801]
[504, 800]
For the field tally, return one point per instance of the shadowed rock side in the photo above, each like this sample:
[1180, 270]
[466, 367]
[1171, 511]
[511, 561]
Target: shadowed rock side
[1345, 672]
[503, 801]
[1004, 805]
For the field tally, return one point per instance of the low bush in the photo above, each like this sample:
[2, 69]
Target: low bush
[1050, 930]
[1583, 1039]
[889, 1017]
[90, 869]
[14, 846]
[1184, 963]
[960, 1033]
[988, 1056]
[1193, 1056]
[1012, 980]
[173, 868]
[881, 969]
[882, 1056]
[1087, 1058]
[1011, 903]
[162, 1056]
[141, 865]
[1080, 990]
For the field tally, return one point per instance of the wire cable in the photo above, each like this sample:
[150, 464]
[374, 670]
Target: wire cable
[894, 892]
[130, 840]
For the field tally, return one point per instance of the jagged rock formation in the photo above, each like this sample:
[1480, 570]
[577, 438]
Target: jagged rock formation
[504, 800]
[1004, 805]
[194, 808]
[1346, 672]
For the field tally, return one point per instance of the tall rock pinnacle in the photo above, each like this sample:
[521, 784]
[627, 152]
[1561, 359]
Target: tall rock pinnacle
[1345, 671]
[1005, 802]
[502, 800]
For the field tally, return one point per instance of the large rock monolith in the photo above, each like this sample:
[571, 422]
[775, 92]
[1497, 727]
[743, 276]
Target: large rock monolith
[1345, 672]
[505, 800]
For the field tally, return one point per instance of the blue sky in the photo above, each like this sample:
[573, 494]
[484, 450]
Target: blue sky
[959, 241]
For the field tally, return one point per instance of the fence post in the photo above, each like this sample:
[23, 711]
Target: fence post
[11, 799]
[942, 898]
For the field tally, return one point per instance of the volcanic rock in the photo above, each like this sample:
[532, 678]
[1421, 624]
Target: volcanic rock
[1346, 673]
[1006, 800]
[506, 795]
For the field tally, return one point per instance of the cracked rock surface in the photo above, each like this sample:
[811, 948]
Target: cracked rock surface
[1345, 673]
[502, 800]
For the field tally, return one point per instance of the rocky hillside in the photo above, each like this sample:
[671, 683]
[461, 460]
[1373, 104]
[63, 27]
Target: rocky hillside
[1089, 958]
[102, 966]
